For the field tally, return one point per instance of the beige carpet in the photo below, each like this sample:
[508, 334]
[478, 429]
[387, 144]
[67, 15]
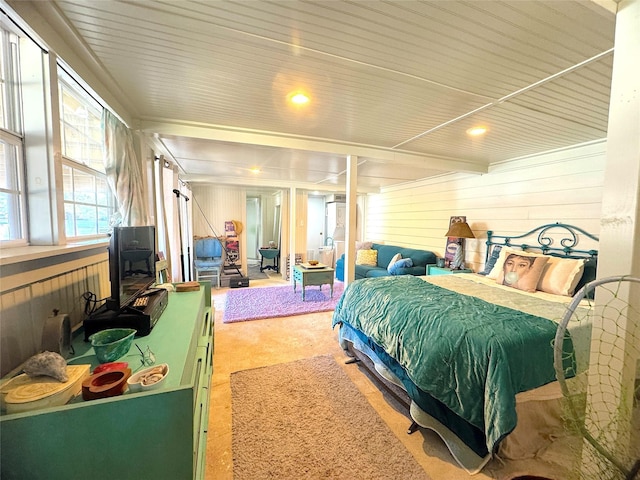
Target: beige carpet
[307, 420]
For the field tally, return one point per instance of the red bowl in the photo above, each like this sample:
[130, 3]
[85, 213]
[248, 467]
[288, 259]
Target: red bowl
[110, 366]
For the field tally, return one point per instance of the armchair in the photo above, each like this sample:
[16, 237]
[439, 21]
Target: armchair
[208, 258]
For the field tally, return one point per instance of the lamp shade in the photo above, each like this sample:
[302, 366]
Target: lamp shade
[460, 230]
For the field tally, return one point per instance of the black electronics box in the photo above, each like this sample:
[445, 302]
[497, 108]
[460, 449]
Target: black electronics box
[238, 282]
[142, 319]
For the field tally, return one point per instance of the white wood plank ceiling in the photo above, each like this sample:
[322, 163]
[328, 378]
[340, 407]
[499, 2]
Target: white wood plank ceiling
[396, 83]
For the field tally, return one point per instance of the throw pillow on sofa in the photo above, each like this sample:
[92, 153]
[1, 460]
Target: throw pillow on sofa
[363, 245]
[395, 258]
[403, 263]
[367, 257]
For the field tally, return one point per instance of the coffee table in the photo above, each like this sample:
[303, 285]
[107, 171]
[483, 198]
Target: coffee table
[312, 275]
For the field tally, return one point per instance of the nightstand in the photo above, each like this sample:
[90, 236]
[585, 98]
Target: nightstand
[433, 270]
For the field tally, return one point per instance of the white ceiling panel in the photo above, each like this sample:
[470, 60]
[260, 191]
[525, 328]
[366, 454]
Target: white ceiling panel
[393, 82]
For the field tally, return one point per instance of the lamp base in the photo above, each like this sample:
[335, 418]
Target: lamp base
[458, 259]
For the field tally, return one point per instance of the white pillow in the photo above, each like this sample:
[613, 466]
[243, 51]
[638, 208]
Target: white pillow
[561, 275]
[364, 246]
[395, 258]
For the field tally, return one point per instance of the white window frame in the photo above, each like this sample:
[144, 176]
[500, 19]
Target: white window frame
[13, 165]
[81, 166]
[11, 129]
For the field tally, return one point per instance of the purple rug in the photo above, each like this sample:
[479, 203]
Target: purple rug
[269, 302]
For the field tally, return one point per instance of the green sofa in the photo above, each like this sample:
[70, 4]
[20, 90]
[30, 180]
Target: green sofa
[420, 259]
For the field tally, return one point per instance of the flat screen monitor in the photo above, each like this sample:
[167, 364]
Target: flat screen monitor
[132, 264]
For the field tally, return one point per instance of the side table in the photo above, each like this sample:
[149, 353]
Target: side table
[312, 276]
[270, 254]
[433, 270]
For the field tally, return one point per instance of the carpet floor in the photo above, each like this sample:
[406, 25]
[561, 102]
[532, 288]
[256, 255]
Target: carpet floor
[269, 302]
[254, 273]
[307, 420]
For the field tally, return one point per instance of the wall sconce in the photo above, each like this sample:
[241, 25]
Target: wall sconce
[459, 230]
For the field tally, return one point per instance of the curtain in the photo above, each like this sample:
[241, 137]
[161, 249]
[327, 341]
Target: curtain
[163, 181]
[125, 171]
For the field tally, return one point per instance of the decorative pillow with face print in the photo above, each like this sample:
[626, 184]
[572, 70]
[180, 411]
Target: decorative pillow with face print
[522, 271]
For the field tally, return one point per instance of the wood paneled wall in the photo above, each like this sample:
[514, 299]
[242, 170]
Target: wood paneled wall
[219, 204]
[24, 309]
[512, 198]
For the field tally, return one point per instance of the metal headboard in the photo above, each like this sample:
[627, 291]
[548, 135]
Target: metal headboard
[567, 237]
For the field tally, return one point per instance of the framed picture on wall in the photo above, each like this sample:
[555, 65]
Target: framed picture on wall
[452, 242]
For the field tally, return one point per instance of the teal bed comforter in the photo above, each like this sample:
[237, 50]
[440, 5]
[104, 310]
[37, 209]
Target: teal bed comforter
[472, 355]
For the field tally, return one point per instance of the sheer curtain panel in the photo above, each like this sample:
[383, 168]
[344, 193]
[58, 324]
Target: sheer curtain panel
[125, 172]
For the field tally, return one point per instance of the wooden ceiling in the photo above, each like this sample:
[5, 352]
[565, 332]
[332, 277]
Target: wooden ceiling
[395, 83]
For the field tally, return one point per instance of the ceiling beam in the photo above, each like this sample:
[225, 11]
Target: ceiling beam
[265, 183]
[272, 139]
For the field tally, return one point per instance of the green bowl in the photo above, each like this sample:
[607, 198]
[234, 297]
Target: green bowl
[111, 344]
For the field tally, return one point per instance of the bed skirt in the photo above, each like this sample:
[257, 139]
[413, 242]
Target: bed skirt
[539, 411]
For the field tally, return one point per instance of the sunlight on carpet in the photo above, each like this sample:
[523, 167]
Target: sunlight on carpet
[269, 302]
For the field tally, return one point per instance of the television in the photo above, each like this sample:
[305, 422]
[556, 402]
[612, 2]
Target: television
[132, 264]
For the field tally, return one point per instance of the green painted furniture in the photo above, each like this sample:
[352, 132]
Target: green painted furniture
[270, 254]
[433, 270]
[160, 434]
[312, 276]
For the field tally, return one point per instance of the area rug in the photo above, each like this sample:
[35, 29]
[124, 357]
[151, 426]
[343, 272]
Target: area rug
[307, 420]
[244, 304]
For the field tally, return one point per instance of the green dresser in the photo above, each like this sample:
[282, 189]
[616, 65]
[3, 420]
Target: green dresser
[159, 434]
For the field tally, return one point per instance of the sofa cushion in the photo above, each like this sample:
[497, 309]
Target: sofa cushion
[420, 259]
[376, 272]
[364, 271]
[367, 257]
[400, 264]
[364, 246]
[395, 258]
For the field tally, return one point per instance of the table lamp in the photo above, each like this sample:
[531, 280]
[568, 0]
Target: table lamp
[459, 230]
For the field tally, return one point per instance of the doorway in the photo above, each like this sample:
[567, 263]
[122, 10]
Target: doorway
[253, 228]
[315, 226]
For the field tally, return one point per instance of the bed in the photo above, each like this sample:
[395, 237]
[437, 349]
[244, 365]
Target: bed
[472, 354]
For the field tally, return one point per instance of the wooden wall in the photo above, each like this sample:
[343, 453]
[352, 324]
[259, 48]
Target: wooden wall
[512, 198]
[219, 204]
[45, 286]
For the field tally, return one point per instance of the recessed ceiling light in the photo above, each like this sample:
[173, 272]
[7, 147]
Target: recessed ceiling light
[475, 131]
[299, 98]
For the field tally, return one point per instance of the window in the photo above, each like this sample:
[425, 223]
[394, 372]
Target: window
[88, 202]
[12, 199]
[10, 114]
[12, 204]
